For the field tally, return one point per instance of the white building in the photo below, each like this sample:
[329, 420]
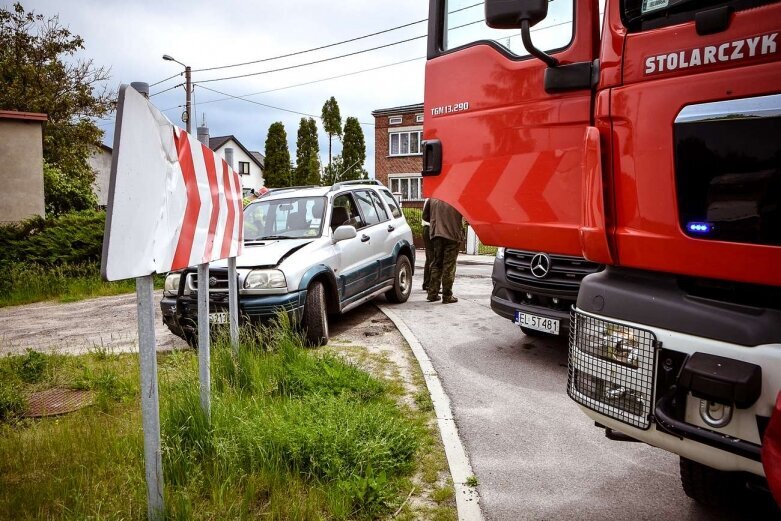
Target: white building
[100, 162]
[249, 164]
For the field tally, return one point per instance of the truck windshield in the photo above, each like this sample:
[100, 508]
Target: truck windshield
[667, 12]
[289, 218]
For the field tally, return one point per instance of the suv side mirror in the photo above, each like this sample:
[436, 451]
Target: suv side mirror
[343, 233]
[507, 14]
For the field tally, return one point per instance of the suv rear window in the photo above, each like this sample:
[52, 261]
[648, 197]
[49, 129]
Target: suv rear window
[367, 207]
[394, 206]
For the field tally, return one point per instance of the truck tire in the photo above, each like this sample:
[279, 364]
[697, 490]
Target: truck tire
[316, 316]
[708, 486]
[402, 281]
[534, 333]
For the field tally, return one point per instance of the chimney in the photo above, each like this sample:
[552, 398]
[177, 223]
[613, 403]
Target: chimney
[203, 132]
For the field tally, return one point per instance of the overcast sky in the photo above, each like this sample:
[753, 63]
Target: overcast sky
[131, 36]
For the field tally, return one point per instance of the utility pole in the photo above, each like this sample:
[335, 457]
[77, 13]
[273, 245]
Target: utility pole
[188, 102]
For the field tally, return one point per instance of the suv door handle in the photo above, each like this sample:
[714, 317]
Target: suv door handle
[364, 238]
[391, 228]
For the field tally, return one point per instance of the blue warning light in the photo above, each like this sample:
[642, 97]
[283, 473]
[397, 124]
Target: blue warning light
[700, 227]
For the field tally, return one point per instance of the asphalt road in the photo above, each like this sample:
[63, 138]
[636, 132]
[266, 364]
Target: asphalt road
[536, 456]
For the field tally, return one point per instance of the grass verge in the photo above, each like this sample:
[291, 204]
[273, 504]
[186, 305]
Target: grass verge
[294, 434]
[26, 283]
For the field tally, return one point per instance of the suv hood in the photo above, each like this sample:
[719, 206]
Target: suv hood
[266, 253]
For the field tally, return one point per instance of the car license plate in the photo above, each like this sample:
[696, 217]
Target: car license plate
[538, 323]
[218, 318]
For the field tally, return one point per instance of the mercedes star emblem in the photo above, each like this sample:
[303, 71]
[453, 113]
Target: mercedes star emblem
[540, 265]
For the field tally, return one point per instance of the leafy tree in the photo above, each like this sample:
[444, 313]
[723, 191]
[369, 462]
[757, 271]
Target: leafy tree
[353, 151]
[331, 173]
[307, 154]
[332, 122]
[39, 73]
[277, 163]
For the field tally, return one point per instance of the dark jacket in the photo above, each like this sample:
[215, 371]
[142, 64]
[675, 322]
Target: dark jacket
[445, 220]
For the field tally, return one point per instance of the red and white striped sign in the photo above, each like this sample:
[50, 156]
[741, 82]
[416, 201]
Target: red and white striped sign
[172, 203]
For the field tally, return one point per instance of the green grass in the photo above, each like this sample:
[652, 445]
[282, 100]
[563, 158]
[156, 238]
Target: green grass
[25, 283]
[294, 434]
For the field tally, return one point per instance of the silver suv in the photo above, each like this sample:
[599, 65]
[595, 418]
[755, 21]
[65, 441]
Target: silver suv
[308, 252]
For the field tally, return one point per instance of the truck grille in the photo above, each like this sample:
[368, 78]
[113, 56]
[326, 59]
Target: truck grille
[565, 272]
[611, 368]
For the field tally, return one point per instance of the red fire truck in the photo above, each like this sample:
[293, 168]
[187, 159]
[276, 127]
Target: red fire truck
[646, 137]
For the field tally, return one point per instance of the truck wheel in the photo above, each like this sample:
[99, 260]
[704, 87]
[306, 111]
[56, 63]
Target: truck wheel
[533, 332]
[316, 316]
[402, 281]
[708, 486]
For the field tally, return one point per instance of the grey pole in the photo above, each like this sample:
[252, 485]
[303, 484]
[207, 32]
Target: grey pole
[232, 283]
[203, 338]
[233, 304]
[150, 408]
[189, 87]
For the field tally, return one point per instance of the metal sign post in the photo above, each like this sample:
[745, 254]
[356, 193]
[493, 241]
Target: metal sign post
[233, 306]
[150, 409]
[204, 376]
[173, 203]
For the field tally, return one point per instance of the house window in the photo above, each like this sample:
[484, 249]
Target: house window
[410, 188]
[244, 167]
[419, 118]
[405, 143]
[394, 120]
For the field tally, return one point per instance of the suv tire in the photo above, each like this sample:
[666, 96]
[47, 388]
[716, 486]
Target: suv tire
[315, 316]
[709, 486]
[402, 281]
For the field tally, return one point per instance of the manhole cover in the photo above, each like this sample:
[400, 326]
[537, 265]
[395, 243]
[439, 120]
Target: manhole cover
[52, 402]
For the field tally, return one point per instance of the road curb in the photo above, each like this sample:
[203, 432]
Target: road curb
[467, 499]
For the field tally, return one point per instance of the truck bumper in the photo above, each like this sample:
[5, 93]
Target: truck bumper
[507, 298]
[623, 396]
[181, 315]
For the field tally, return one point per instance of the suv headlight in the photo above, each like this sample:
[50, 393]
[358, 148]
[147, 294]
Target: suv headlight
[265, 279]
[171, 287]
[500, 253]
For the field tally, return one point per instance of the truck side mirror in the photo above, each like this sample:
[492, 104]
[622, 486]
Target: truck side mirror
[507, 14]
[519, 14]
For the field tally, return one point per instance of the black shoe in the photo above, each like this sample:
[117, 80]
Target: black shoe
[425, 287]
[449, 300]
[433, 298]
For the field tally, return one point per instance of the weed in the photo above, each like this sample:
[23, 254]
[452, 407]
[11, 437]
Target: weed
[442, 494]
[32, 366]
[12, 403]
[471, 481]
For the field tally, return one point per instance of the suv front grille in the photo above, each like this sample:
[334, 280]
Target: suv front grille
[220, 277]
[565, 272]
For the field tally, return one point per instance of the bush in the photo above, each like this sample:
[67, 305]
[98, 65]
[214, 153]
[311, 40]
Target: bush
[75, 237]
[414, 218]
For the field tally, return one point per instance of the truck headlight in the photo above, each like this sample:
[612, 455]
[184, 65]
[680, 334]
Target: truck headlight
[171, 287]
[500, 253]
[612, 342]
[265, 279]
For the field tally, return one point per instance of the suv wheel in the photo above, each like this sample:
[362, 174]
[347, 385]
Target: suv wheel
[316, 316]
[402, 281]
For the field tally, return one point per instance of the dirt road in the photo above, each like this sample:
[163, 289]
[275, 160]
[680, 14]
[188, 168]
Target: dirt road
[105, 322]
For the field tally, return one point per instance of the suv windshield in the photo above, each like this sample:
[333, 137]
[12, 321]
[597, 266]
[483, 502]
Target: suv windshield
[289, 218]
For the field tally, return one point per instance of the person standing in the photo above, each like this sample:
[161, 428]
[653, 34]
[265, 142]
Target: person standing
[447, 233]
[426, 245]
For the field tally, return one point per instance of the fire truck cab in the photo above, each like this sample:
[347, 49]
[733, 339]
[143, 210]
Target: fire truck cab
[642, 135]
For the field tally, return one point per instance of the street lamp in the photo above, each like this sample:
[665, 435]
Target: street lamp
[188, 89]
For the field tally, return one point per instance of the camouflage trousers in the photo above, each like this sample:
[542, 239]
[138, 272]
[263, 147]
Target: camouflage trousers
[444, 254]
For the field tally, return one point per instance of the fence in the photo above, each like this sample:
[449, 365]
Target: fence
[414, 218]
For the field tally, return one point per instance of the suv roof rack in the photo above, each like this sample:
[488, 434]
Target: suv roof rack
[340, 184]
[286, 188]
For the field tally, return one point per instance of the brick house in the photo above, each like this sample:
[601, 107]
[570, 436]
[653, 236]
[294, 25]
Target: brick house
[398, 158]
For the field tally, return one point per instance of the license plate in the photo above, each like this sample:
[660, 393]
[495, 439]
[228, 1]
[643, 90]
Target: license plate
[538, 323]
[218, 318]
